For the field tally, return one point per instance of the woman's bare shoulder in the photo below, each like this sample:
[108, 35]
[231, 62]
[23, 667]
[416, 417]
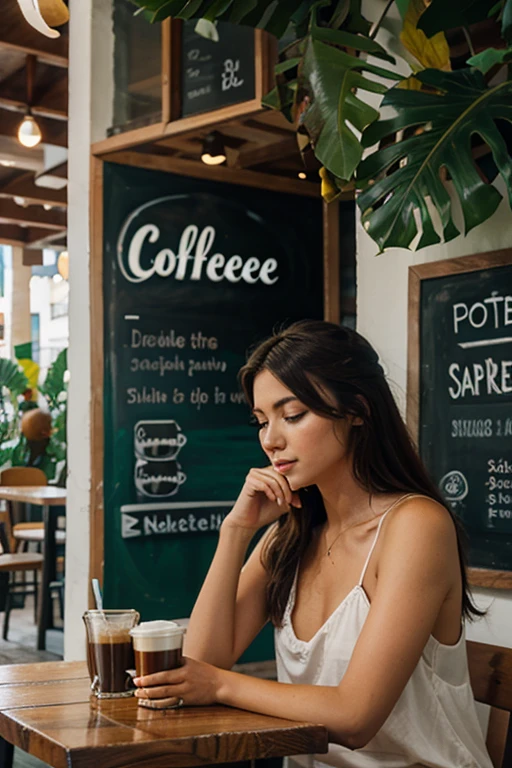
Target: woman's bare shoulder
[420, 515]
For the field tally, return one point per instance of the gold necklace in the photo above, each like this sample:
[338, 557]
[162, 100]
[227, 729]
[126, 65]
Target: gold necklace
[354, 525]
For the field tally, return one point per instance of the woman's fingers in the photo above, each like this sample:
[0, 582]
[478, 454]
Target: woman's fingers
[279, 483]
[157, 692]
[159, 703]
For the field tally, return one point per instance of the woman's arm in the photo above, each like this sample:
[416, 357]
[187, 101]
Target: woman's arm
[413, 582]
[230, 609]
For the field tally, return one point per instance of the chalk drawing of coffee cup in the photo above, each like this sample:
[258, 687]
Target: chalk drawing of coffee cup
[454, 486]
[158, 440]
[158, 479]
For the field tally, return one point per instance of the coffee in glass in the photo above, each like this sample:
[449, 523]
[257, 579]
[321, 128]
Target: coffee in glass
[157, 646]
[110, 651]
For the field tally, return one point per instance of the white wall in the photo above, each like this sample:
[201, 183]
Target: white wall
[382, 318]
[90, 109]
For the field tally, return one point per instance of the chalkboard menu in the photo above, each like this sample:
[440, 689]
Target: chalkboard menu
[216, 73]
[195, 272]
[466, 402]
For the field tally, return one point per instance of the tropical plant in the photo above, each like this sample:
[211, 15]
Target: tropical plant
[15, 449]
[416, 162]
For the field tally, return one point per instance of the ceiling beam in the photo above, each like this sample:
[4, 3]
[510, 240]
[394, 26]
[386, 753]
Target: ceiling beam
[38, 239]
[22, 185]
[246, 158]
[33, 215]
[54, 131]
[17, 35]
[49, 102]
[12, 235]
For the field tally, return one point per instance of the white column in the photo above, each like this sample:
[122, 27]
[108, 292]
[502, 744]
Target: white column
[21, 331]
[90, 110]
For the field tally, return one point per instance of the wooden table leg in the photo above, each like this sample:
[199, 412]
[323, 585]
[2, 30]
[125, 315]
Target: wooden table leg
[6, 753]
[48, 574]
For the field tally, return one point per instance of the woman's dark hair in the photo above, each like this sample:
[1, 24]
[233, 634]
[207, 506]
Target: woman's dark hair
[312, 357]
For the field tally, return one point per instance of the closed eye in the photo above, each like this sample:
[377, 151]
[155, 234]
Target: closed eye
[297, 417]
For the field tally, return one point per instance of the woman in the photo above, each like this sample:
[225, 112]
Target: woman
[362, 572]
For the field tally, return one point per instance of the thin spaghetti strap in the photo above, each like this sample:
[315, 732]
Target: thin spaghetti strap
[395, 503]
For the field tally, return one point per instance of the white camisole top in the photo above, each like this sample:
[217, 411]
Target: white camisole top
[434, 722]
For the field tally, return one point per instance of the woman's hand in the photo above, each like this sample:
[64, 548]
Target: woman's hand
[264, 497]
[196, 682]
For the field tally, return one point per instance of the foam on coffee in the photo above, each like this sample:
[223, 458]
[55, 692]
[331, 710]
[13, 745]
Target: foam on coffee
[153, 636]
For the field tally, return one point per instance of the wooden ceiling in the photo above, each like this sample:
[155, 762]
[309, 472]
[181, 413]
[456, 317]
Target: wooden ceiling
[31, 215]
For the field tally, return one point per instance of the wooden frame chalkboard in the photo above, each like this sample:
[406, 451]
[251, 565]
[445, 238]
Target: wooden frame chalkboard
[419, 276]
[330, 292]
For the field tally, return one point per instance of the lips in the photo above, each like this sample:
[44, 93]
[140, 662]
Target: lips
[283, 465]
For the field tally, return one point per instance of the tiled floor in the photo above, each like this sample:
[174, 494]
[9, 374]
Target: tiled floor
[20, 648]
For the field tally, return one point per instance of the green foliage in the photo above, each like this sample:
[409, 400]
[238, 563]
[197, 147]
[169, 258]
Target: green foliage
[15, 449]
[54, 383]
[321, 83]
[400, 178]
[12, 378]
[441, 15]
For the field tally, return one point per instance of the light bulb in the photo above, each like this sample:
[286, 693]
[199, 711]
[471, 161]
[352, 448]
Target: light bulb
[302, 175]
[213, 159]
[29, 133]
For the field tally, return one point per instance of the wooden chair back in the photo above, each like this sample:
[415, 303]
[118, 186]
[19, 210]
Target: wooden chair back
[23, 476]
[490, 670]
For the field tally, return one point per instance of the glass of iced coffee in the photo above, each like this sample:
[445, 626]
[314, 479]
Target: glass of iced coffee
[110, 651]
[157, 646]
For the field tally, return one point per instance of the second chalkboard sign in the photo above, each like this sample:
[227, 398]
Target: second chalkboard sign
[216, 73]
[461, 391]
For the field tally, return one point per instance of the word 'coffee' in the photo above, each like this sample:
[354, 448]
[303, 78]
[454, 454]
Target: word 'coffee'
[157, 646]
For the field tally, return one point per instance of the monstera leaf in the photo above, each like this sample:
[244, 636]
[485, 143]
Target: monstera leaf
[332, 78]
[442, 15]
[272, 16]
[400, 180]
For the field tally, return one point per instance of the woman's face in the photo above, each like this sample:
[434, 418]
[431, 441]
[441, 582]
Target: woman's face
[301, 445]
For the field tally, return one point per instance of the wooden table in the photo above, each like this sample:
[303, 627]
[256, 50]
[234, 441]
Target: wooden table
[46, 496]
[46, 710]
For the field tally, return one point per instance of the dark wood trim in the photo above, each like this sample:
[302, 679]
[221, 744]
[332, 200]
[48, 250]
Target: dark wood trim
[331, 251]
[96, 547]
[166, 70]
[479, 577]
[214, 173]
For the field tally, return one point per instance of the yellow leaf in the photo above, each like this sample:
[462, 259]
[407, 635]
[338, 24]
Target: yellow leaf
[329, 190]
[430, 53]
[31, 371]
[54, 12]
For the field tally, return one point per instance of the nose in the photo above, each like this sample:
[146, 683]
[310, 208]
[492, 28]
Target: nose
[272, 439]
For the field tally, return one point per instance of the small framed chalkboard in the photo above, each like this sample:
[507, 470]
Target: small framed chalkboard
[459, 397]
[216, 73]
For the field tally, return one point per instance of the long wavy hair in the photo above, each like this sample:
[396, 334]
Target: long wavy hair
[311, 357]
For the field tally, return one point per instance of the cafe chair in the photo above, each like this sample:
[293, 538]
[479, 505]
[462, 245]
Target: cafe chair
[12, 563]
[490, 670]
[23, 533]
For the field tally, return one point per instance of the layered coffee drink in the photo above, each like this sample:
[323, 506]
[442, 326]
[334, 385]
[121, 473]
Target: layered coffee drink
[110, 651]
[157, 646]
[108, 660]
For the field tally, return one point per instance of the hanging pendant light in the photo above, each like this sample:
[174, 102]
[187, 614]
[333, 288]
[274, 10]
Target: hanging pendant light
[45, 14]
[29, 133]
[214, 152]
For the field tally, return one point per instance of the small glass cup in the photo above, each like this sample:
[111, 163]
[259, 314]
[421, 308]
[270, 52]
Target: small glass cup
[110, 651]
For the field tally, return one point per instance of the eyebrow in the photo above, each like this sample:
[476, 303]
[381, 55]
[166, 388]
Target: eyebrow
[278, 404]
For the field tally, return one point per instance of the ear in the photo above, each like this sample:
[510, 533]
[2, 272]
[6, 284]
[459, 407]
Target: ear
[358, 421]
